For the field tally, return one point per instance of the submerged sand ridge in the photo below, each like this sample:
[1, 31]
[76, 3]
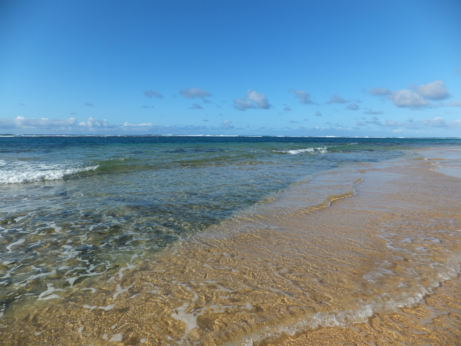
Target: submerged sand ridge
[389, 237]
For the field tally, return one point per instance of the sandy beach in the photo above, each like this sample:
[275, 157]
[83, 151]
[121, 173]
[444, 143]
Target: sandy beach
[436, 321]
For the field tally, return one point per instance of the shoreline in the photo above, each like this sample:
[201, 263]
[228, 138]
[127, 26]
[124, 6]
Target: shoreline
[272, 268]
[436, 321]
[413, 325]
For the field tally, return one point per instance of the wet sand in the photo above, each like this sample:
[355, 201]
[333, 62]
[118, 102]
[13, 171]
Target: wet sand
[437, 321]
[365, 254]
[434, 321]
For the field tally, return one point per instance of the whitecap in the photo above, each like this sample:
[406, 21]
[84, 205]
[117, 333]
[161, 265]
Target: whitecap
[17, 172]
[307, 150]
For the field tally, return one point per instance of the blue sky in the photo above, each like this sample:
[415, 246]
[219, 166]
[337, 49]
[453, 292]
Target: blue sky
[345, 68]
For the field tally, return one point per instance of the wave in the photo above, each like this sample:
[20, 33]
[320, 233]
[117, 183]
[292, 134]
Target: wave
[308, 150]
[25, 172]
[346, 318]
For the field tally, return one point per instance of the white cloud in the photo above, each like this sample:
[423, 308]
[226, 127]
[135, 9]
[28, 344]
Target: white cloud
[436, 122]
[440, 122]
[455, 104]
[417, 97]
[303, 96]
[336, 99]
[372, 112]
[196, 106]
[392, 123]
[374, 121]
[253, 100]
[243, 105]
[380, 91]
[22, 125]
[44, 123]
[318, 114]
[192, 93]
[408, 99]
[92, 123]
[126, 124]
[226, 124]
[433, 91]
[152, 93]
[258, 98]
[411, 124]
[353, 107]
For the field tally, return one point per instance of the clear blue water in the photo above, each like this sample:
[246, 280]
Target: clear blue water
[77, 207]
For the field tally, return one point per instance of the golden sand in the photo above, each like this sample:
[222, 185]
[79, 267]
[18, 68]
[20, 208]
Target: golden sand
[435, 322]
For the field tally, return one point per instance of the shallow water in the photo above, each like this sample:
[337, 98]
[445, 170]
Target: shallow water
[214, 241]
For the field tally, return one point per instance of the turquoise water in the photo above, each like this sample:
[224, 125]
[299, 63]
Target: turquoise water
[74, 208]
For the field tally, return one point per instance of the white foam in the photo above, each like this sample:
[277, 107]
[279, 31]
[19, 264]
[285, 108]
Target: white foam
[382, 303]
[107, 308]
[337, 319]
[72, 280]
[120, 290]
[93, 290]
[190, 320]
[17, 242]
[128, 266]
[308, 150]
[19, 218]
[17, 172]
[48, 293]
[299, 151]
[57, 229]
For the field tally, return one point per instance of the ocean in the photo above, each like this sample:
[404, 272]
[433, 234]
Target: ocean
[217, 240]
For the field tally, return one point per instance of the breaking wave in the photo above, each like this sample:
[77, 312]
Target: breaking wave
[18, 172]
[307, 150]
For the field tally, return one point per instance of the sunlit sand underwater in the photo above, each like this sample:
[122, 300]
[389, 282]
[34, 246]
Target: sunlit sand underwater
[230, 241]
